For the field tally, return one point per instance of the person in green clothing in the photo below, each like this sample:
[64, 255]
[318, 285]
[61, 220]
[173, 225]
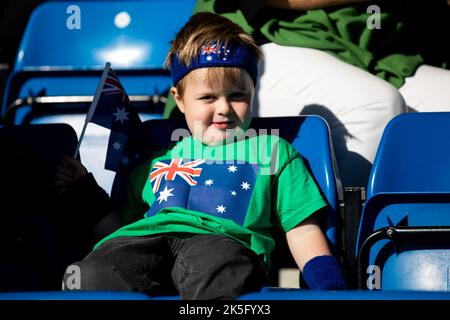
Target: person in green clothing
[357, 63]
[211, 204]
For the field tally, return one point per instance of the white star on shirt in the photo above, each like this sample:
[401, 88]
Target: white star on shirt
[245, 185]
[232, 168]
[116, 145]
[209, 58]
[163, 195]
[221, 209]
[209, 182]
[121, 115]
[233, 193]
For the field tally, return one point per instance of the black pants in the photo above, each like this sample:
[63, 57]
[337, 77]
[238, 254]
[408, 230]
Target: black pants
[197, 267]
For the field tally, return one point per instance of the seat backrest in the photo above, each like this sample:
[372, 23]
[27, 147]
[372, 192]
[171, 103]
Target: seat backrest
[129, 34]
[50, 142]
[413, 155]
[409, 187]
[65, 47]
[32, 248]
[411, 167]
[310, 135]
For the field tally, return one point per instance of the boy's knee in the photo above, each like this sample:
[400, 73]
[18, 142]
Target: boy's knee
[218, 268]
[209, 251]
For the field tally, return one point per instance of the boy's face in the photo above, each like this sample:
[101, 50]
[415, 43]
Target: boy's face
[215, 112]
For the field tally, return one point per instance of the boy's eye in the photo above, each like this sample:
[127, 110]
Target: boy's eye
[238, 95]
[207, 97]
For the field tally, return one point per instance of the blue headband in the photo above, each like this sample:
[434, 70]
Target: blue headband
[215, 55]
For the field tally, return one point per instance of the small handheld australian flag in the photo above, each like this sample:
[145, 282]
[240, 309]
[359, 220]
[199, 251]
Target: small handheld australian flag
[111, 108]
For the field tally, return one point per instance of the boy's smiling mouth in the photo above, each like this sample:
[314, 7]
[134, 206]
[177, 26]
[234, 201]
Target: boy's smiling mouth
[223, 124]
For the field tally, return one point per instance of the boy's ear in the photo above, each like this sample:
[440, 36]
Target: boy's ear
[177, 99]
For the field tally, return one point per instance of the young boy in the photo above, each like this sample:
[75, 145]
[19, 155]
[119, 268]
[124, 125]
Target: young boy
[213, 201]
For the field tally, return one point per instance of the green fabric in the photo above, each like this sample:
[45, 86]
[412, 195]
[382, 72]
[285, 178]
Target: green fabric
[409, 32]
[412, 33]
[280, 200]
[342, 33]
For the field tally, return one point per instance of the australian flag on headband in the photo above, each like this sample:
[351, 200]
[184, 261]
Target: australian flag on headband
[115, 111]
[219, 189]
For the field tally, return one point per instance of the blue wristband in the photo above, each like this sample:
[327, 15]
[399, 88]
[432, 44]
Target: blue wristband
[323, 273]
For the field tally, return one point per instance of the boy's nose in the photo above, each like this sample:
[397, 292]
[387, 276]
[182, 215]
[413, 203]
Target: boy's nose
[223, 107]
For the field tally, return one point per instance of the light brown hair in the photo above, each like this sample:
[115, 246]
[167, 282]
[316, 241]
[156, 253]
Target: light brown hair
[206, 28]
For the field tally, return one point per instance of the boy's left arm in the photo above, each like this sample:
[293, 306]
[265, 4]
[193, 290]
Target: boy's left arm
[310, 250]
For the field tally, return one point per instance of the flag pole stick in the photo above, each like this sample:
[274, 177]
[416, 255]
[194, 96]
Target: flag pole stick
[92, 107]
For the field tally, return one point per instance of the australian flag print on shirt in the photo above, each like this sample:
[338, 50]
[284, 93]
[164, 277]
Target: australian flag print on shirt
[219, 189]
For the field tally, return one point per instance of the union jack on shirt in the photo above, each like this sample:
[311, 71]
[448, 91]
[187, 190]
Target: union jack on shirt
[176, 167]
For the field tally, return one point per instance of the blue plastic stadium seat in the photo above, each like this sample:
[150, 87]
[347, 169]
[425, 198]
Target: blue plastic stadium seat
[405, 224]
[35, 249]
[56, 60]
[49, 141]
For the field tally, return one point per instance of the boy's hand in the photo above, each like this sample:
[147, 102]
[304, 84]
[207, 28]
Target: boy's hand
[68, 171]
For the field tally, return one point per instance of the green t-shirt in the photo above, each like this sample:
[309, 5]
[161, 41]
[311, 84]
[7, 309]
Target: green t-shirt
[245, 190]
